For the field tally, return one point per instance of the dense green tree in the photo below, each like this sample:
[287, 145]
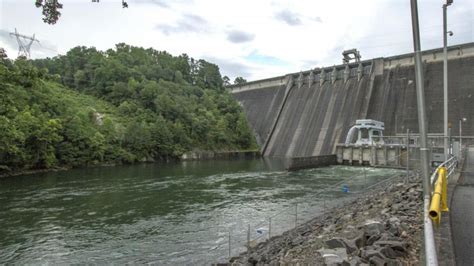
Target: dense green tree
[3, 54]
[240, 80]
[50, 9]
[226, 80]
[124, 105]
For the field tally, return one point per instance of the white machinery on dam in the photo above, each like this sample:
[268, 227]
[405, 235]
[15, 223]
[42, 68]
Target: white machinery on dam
[368, 132]
[365, 145]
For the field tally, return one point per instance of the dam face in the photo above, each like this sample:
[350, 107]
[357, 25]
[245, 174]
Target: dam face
[308, 113]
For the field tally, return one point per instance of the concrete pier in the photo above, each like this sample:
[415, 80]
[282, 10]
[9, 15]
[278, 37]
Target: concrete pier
[381, 155]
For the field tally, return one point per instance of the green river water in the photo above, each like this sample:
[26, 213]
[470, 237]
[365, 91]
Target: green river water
[180, 213]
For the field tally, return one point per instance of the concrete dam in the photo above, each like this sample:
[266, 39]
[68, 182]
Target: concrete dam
[306, 114]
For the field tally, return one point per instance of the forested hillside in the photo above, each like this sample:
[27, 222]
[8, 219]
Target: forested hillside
[124, 105]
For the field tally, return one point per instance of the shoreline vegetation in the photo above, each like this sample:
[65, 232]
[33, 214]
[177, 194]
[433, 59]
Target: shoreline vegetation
[190, 156]
[121, 106]
[32, 172]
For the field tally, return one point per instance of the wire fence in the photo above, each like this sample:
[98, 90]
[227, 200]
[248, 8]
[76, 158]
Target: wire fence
[247, 236]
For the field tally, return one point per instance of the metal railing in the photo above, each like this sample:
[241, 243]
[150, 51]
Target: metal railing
[298, 213]
[434, 140]
[443, 172]
[413, 140]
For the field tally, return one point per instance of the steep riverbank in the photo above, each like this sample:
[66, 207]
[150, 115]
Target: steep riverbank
[381, 227]
[53, 115]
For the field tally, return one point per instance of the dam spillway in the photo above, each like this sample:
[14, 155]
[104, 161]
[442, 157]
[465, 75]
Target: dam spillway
[308, 113]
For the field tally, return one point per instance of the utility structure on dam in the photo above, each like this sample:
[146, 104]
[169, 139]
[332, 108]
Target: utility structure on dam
[307, 114]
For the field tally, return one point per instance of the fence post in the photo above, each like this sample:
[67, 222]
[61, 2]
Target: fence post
[248, 239]
[229, 246]
[408, 154]
[269, 228]
[365, 176]
[324, 208]
[296, 214]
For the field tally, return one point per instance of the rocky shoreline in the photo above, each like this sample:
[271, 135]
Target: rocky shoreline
[383, 226]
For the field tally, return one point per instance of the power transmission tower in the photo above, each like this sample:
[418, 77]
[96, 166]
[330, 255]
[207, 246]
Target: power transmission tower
[24, 43]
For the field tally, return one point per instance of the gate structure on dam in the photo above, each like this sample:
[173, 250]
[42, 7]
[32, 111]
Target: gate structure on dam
[307, 114]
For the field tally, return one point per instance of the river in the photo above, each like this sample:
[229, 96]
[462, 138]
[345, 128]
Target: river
[177, 213]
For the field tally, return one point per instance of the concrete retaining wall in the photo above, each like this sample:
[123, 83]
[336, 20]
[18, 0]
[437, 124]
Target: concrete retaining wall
[298, 163]
[261, 107]
[225, 155]
[383, 155]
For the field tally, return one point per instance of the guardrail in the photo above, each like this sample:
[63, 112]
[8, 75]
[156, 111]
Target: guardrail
[432, 206]
[433, 140]
[439, 198]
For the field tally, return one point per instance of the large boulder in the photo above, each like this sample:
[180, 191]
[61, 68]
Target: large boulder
[350, 245]
[334, 256]
[372, 228]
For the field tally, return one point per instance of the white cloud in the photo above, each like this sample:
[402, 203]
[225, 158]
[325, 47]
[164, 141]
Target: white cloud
[238, 36]
[244, 37]
[189, 23]
[289, 17]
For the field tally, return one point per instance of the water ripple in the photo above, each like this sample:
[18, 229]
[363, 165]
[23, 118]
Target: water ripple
[160, 214]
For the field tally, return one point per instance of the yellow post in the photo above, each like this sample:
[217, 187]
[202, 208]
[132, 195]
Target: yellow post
[439, 197]
[444, 190]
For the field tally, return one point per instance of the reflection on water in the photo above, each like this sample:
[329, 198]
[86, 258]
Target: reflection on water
[175, 213]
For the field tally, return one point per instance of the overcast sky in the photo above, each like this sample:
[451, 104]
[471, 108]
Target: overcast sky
[250, 38]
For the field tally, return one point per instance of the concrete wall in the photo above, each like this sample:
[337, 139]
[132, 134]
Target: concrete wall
[261, 107]
[381, 155]
[315, 116]
[321, 106]
[298, 163]
[394, 101]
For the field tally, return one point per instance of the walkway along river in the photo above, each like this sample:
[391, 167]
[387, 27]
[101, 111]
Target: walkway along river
[174, 213]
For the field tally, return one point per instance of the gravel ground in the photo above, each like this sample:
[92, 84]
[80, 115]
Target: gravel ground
[381, 227]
